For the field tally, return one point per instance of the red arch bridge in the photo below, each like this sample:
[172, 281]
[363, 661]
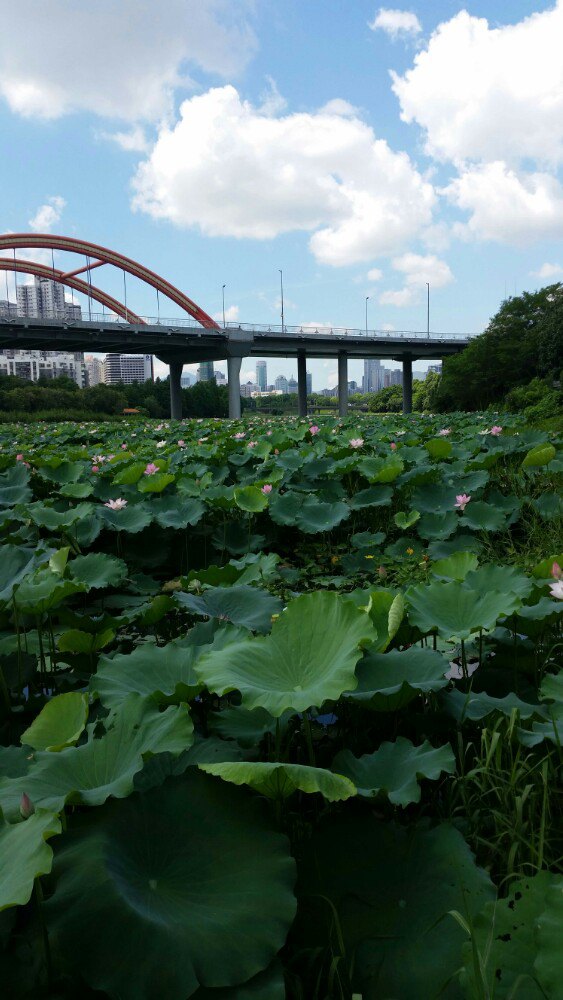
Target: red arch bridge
[195, 336]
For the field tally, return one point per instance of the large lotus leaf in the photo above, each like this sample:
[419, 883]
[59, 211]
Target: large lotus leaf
[500, 578]
[14, 486]
[394, 769]
[508, 935]
[308, 658]
[131, 519]
[540, 731]
[549, 961]
[104, 766]
[14, 565]
[455, 610]
[130, 474]
[59, 723]
[163, 673]
[374, 496]
[542, 454]
[55, 520]
[474, 706]
[549, 506]
[381, 470]
[460, 542]
[44, 590]
[251, 499]
[552, 690]
[267, 985]
[98, 570]
[66, 472]
[392, 888]
[155, 483]
[24, 854]
[454, 567]
[438, 448]
[278, 781]
[437, 526]
[481, 516]
[545, 608]
[186, 884]
[304, 511]
[434, 498]
[247, 728]
[77, 641]
[390, 680]
[242, 605]
[177, 512]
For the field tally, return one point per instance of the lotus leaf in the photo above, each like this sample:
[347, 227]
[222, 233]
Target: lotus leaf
[454, 610]
[131, 519]
[14, 565]
[188, 883]
[98, 570]
[24, 855]
[174, 512]
[308, 658]
[278, 781]
[242, 605]
[391, 680]
[395, 768]
[59, 723]
[251, 499]
[482, 516]
[454, 567]
[14, 487]
[542, 454]
[155, 483]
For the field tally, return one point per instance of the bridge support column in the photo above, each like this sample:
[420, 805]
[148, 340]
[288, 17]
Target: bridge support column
[342, 383]
[302, 383]
[233, 375]
[176, 389]
[407, 383]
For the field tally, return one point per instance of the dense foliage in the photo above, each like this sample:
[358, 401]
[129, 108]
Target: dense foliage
[523, 341]
[280, 710]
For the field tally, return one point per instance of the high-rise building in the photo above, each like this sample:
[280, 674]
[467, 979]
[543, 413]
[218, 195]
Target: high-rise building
[374, 375]
[220, 378]
[281, 384]
[128, 368]
[205, 371]
[262, 375]
[45, 299]
[431, 368]
[248, 389]
[94, 369]
[292, 385]
[396, 376]
[309, 381]
[33, 365]
[8, 310]
[187, 380]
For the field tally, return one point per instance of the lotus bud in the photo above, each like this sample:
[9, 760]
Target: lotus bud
[382, 572]
[26, 806]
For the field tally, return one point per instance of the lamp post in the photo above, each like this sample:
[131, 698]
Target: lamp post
[281, 290]
[223, 291]
[428, 309]
[367, 300]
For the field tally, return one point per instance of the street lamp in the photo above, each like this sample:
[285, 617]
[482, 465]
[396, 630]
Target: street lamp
[223, 290]
[281, 289]
[367, 300]
[428, 309]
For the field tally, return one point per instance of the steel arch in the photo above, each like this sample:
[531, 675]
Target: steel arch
[43, 271]
[33, 241]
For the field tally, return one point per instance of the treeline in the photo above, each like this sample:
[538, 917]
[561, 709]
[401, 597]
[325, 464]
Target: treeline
[516, 363]
[61, 398]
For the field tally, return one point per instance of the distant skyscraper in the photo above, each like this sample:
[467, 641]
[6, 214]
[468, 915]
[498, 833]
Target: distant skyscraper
[374, 375]
[262, 375]
[45, 299]
[94, 369]
[205, 371]
[309, 381]
[186, 380]
[292, 385]
[282, 384]
[8, 310]
[127, 368]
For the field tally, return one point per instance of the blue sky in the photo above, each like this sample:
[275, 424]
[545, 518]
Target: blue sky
[363, 149]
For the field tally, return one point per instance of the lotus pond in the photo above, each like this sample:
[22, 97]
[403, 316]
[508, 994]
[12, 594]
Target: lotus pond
[281, 710]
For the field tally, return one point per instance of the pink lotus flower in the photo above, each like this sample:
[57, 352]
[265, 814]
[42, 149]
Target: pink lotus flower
[462, 500]
[239, 436]
[95, 468]
[26, 806]
[496, 430]
[151, 469]
[252, 444]
[267, 488]
[313, 429]
[124, 447]
[356, 442]
[268, 433]
[444, 432]
[98, 459]
[556, 590]
[556, 571]
[19, 458]
[118, 504]
[393, 446]
[181, 443]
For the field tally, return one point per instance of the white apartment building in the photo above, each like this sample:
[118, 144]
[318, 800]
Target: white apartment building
[33, 365]
[128, 368]
[94, 369]
[45, 299]
[8, 310]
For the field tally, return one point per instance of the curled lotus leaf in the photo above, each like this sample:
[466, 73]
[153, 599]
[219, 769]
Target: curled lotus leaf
[59, 723]
[277, 780]
[24, 855]
[395, 769]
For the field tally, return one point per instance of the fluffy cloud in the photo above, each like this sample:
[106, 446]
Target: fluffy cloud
[483, 93]
[417, 271]
[47, 215]
[547, 271]
[255, 175]
[396, 23]
[119, 60]
[374, 274]
[231, 314]
[506, 205]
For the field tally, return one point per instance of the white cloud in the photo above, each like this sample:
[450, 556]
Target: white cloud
[256, 176]
[231, 314]
[547, 271]
[332, 379]
[506, 205]
[483, 93]
[396, 23]
[417, 271]
[375, 274]
[248, 376]
[134, 140]
[119, 60]
[47, 215]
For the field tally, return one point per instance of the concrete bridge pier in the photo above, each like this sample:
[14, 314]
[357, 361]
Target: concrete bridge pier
[233, 375]
[407, 383]
[342, 383]
[176, 389]
[302, 383]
